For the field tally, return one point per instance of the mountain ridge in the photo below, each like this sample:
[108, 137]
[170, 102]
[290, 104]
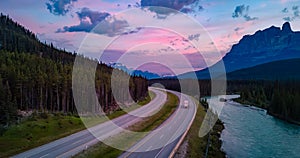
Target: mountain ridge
[132, 72]
[276, 70]
[263, 46]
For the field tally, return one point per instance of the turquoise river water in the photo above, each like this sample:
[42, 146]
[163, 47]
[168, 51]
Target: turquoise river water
[250, 132]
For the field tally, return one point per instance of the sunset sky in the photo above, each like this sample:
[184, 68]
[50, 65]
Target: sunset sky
[186, 40]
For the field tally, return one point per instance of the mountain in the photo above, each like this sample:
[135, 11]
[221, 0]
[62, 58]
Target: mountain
[276, 70]
[264, 46]
[145, 74]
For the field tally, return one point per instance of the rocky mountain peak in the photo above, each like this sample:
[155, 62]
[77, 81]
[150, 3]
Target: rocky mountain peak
[271, 44]
[286, 28]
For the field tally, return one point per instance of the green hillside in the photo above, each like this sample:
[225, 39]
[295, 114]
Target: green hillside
[36, 76]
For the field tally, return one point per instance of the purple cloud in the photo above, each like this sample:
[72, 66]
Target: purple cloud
[194, 37]
[100, 23]
[88, 20]
[178, 5]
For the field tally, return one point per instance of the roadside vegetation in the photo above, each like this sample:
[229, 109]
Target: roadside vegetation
[129, 139]
[42, 128]
[37, 130]
[196, 146]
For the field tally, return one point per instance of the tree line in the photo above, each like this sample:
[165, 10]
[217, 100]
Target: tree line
[37, 76]
[280, 98]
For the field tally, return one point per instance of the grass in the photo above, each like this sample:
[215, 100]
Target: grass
[92, 121]
[155, 120]
[44, 128]
[124, 140]
[133, 107]
[197, 145]
[37, 131]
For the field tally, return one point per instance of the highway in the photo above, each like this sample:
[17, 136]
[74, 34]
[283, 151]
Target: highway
[75, 143]
[161, 142]
[158, 143]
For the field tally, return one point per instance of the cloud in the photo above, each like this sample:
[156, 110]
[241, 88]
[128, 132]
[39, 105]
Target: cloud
[100, 23]
[192, 8]
[194, 37]
[248, 18]
[200, 8]
[239, 11]
[88, 20]
[60, 7]
[173, 4]
[289, 19]
[238, 29]
[94, 16]
[186, 10]
[113, 27]
[242, 11]
[185, 6]
[294, 15]
[285, 10]
[296, 11]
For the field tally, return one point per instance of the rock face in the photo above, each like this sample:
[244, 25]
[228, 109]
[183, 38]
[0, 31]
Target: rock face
[286, 28]
[264, 46]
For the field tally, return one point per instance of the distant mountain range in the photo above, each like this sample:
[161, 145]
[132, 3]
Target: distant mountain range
[145, 74]
[271, 44]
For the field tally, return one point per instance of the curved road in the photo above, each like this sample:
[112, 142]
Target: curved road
[75, 143]
[159, 143]
[162, 142]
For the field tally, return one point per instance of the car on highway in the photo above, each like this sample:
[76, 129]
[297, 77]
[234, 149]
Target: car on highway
[186, 104]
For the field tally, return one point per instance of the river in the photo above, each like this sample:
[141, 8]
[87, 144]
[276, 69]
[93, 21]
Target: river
[250, 132]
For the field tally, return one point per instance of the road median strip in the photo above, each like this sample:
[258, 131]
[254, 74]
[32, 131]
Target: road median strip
[127, 139]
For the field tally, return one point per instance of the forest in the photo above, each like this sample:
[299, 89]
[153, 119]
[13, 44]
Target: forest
[280, 98]
[36, 76]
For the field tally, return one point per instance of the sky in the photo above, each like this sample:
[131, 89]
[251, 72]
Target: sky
[189, 36]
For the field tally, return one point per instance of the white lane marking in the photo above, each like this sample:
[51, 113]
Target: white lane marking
[77, 142]
[161, 136]
[149, 148]
[44, 155]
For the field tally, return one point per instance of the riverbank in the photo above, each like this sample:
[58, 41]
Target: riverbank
[265, 107]
[251, 132]
[284, 118]
[195, 146]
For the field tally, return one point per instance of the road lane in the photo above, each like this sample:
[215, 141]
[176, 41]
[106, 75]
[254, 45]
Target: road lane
[161, 142]
[75, 143]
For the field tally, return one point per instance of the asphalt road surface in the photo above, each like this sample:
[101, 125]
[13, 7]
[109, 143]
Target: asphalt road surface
[161, 142]
[75, 143]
